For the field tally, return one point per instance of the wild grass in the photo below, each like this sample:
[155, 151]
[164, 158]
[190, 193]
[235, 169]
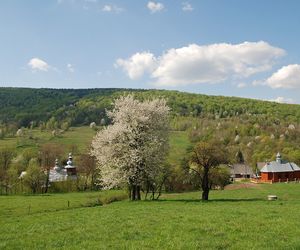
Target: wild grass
[232, 219]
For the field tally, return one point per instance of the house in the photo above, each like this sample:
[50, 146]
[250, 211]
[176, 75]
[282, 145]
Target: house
[279, 170]
[240, 170]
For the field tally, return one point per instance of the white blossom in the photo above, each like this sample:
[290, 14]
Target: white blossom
[134, 146]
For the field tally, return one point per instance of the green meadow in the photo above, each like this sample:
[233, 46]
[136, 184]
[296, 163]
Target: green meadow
[81, 137]
[239, 217]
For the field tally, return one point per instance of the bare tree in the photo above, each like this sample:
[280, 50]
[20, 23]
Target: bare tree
[87, 167]
[6, 156]
[47, 155]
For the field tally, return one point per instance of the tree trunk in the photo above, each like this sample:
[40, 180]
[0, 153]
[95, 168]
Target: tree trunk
[205, 184]
[47, 180]
[135, 193]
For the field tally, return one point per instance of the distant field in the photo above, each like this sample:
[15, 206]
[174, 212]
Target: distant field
[79, 136]
[82, 137]
[232, 219]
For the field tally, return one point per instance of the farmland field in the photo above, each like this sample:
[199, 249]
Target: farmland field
[236, 218]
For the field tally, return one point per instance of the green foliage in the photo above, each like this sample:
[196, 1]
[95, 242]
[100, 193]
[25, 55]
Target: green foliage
[219, 177]
[30, 107]
[34, 177]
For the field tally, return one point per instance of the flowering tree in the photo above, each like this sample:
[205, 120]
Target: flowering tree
[132, 150]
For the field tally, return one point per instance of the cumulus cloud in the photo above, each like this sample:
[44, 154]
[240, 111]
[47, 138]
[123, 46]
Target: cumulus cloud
[70, 68]
[137, 65]
[203, 64]
[287, 77]
[155, 7]
[112, 8]
[281, 99]
[187, 6]
[37, 64]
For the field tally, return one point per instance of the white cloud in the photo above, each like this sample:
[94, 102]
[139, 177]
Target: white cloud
[155, 7]
[70, 68]
[287, 77]
[187, 6]
[281, 99]
[37, 64]
[204, 64]
[137, 65]
[241, 85]
[107, 8]
[112, 8]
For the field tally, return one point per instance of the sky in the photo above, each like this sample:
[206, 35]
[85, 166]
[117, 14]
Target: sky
[216, 47]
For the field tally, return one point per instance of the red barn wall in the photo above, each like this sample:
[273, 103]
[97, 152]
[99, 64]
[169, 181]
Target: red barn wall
[281, 176]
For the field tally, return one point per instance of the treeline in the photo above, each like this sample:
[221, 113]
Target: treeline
[25, 107]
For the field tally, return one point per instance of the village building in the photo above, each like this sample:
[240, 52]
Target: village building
[240, 171]
[279, 171]
[57, 173]
[67, 172]
[60, 173]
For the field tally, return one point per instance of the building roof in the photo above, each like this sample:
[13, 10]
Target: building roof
[241, 169]
[277, 167]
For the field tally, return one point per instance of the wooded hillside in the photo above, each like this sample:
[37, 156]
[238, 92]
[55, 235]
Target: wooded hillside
[24, 106]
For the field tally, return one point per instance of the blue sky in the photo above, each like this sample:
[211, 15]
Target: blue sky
[220, 47]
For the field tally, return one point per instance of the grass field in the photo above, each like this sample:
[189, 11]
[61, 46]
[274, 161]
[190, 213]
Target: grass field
[82, 137]
[232, 219]
[79, 136]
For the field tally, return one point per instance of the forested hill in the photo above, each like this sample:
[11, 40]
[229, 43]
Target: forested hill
[22, 106]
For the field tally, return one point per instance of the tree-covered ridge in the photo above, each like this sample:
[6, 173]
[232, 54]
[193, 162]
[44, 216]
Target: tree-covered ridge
[82, 106]
[23, 105]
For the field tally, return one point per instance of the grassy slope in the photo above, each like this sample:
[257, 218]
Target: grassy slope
[179, 142]
[236, 219]
[82, 137]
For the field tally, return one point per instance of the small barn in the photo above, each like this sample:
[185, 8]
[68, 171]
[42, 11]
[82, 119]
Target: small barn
[279, 171]
[240, 170]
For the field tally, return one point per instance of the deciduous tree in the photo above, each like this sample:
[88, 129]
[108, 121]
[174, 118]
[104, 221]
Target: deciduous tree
[206, 156]
[6, 156]
[134, 147]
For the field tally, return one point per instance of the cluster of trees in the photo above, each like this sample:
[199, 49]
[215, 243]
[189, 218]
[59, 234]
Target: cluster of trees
[29, 171]
[132, 151]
